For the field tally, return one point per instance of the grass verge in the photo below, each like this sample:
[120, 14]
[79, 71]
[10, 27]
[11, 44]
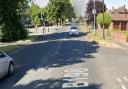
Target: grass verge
[9, 48]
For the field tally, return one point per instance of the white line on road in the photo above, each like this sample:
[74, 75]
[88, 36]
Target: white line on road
[77, 84]
[125, 79]
[123, 87]
[118, 79]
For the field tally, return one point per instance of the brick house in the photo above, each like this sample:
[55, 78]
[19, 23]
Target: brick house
[120, 19]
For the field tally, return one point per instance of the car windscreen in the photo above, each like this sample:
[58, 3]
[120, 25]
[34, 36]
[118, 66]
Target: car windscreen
[73, 27]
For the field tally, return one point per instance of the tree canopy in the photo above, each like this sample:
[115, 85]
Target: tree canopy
[59, 10]
[34, 13]
[99, 8]
[106, 20]
[11, 23]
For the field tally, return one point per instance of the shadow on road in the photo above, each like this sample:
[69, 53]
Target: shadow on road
[56, 36]
[48, 55]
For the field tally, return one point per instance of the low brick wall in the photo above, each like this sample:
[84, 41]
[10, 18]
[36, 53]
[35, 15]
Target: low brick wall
[118, 36]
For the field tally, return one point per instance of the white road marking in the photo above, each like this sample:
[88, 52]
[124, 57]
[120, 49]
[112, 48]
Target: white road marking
[123, 87]
[77, 84]
[77, 70]
[76, 75]
[125, 79]
[76, 78]
[118, 79]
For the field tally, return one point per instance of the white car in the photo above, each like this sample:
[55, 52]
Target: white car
[6, 64]
[73, 31]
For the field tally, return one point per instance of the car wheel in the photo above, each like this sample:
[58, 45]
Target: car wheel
[77, 34]
[11, 68]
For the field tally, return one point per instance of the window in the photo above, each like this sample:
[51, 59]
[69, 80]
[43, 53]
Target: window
[73, 27]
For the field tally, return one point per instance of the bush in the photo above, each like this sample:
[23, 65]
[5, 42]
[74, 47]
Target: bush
[106, 21]
[11, 27]
[108, 32]
[16, 32]
[127, 37]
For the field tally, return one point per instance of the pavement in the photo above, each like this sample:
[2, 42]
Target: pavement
[32, 32]
[60, 61]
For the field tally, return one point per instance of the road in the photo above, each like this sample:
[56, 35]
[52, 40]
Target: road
[59, 61]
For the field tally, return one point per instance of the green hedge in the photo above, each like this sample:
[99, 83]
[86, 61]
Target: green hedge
[126, 36]
[11, 23]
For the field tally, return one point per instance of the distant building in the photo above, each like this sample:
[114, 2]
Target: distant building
[119, 18]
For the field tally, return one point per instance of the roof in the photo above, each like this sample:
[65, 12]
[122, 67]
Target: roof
[120, 14]
[120, 9]
[117, 17]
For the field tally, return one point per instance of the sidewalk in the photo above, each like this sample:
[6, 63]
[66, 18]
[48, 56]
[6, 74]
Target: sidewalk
[33, 33]
[98, 38]
[123, 45]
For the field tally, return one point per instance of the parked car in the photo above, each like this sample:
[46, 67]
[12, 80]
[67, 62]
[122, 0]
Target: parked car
[73, 30]
[6, 64]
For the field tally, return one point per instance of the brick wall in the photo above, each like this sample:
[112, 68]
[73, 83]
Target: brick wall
[117, 36]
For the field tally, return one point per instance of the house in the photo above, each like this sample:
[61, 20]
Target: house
[119, 19]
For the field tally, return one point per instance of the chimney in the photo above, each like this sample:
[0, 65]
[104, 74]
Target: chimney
[124, 6]
[113, 9]
[125, 11]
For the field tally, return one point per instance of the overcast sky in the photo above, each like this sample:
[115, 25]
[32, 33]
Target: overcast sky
[79, 5]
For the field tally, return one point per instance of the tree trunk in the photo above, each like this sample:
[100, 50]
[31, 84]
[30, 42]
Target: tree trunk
[36, 28]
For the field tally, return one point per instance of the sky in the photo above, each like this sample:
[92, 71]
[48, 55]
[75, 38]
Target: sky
[116, 3]
[79, 5]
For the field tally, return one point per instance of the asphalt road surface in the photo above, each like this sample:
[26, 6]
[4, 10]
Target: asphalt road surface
[59, 61]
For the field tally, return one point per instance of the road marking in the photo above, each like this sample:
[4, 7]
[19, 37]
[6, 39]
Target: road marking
[77, 70]
[123, 87]
[76, 75]
[118, 79]
[125, 79]
[77, 84]
[76, 78]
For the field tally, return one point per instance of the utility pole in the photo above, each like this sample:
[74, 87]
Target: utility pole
[94, 12]
[103, 22]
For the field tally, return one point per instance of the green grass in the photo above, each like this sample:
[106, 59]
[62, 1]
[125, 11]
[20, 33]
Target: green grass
[9, 48]
[32, 38]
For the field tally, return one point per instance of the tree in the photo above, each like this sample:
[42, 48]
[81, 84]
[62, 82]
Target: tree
[58, 11]
[99, 8]
[68, 8]
[34, 13]
[106, 21]
[11, 25]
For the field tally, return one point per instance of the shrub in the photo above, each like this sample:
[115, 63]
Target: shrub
[108, 32]
[106, 21]
[11, 27]
[127, 37]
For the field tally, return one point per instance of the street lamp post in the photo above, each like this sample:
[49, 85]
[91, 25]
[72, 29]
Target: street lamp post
[94, 12]
[42, 19]
[103, 22]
